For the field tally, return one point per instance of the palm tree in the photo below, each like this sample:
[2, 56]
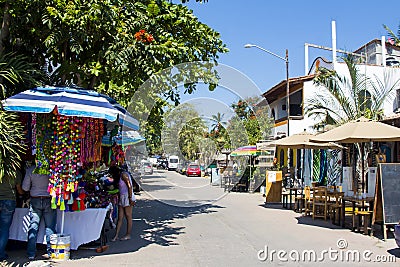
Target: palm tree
[395, 39]
[348, 98]
[218, 121]
[16, 74]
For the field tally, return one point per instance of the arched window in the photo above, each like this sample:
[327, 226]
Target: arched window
[273, 114]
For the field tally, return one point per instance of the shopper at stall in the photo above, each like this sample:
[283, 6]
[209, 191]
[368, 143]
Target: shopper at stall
[9, 186]
[126, 200]
[40, 207]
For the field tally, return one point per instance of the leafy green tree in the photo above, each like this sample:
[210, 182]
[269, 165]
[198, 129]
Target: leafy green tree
[14, 72]
[182, 131]
[113, 46]
[218, 121]
[11, 135]
[112, 42]
[252, 122]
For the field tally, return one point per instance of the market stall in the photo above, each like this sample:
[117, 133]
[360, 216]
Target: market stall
[65, 129]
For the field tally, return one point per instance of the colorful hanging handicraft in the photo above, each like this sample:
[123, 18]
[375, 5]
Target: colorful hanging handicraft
[63, 145]
[92, 138]
[65, 160]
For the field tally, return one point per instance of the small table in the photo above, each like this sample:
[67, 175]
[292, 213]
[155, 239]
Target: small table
[353, 200]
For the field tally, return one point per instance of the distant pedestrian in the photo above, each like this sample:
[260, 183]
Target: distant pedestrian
[8, 199]
[40, 207]
[126, 200]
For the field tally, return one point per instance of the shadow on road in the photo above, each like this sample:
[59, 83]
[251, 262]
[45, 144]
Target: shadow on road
[275, 206]
[153, 223]
[395, 252]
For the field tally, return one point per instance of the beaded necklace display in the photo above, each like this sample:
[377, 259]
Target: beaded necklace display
[63, 144]
[64, 173]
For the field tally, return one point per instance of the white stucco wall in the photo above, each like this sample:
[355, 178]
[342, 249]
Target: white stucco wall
[388, 77]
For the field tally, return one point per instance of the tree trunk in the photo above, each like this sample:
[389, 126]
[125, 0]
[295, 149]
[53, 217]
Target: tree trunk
[5, 28]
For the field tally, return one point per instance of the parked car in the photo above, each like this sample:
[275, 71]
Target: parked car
[146, 168]
[181, 168]
[193, 170]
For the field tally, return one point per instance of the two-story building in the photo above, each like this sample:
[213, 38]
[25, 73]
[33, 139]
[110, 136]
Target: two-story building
[379, 62]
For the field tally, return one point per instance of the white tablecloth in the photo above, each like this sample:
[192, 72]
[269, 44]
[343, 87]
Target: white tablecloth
[83, 227]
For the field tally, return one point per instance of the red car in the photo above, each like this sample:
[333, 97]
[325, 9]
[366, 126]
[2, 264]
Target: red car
[193, 170]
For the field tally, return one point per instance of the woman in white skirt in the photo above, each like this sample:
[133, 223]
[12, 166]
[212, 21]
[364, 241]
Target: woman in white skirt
[126, 201]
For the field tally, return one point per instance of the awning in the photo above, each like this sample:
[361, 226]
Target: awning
[70, 102]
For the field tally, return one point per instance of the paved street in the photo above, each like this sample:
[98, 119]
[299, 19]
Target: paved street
[230, 231]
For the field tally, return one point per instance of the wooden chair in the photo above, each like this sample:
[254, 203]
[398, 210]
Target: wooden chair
[335, 208]
[307, 201]
[285, 199]
[320, 203]
[363, 221]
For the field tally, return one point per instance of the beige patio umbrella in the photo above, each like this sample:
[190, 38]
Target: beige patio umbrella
[360, 131]
[302, 141]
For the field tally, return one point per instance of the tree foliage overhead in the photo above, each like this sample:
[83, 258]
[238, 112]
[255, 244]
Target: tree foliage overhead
[112, 46]
[118, 42]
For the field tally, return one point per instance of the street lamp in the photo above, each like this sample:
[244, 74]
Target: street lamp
[286, 59]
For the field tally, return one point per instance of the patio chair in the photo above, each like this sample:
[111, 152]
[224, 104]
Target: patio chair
[335, 208]
[320, 203]
[307, 201]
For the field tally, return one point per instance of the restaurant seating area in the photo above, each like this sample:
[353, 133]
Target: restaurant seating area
[329, 203]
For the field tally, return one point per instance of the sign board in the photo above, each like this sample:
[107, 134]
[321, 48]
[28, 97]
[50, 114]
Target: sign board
[215, 177]
[273, 192]
[387, 195]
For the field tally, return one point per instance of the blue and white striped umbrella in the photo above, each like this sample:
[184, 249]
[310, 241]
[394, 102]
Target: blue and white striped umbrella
[69, 102]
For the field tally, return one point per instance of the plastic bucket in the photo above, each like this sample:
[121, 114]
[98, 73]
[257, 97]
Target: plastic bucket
[60, 246]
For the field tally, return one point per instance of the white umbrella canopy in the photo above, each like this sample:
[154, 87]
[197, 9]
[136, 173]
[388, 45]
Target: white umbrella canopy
[360, 131]
[302, 141]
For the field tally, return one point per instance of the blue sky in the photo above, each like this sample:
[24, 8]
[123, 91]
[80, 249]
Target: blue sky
[280, 25]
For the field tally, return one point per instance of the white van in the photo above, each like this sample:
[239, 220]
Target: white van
[173, 162]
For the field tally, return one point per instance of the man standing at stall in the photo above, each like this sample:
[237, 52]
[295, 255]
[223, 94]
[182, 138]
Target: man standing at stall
[40, 207]
[8, 188]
